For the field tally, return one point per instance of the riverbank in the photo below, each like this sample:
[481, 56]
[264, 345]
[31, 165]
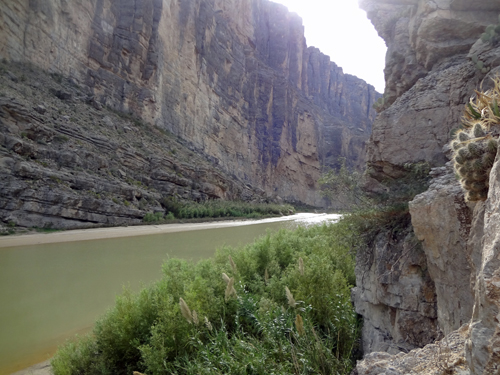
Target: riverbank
[70, 269]
[143, 230]
[42, 368]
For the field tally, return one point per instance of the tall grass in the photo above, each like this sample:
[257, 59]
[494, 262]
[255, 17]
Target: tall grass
[187, 323]
[218, 208]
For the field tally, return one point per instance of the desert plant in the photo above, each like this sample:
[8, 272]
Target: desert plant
[480, 64]
[247, 327]
[343, 186]
[475, 145]
[491, 34]
[379, 104]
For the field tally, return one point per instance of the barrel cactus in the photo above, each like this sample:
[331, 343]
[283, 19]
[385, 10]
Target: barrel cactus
[476, 144]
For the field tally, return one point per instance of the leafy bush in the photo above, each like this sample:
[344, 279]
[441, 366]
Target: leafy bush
[343, 186]
[280, 305]
[151, 217]
[220, 208]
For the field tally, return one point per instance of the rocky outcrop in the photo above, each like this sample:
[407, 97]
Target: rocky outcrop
[435, 62]
[395, 294]
[442, 220]
[235, 79]
[483, 344]
[428, 77]
[442, 357]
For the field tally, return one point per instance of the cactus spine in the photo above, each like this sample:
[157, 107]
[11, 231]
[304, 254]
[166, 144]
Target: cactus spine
[476, 146]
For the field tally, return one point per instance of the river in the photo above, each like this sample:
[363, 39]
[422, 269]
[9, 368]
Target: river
[57, 287]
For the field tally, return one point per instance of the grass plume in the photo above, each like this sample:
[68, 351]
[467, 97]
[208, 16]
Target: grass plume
[185, 311]
[289, 297]
[299, 324]
[230, 291]
[233, 265]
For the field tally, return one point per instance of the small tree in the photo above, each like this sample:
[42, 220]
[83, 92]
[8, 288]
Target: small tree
[343, 186]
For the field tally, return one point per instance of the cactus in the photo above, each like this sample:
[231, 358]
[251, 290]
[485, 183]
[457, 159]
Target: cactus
[463, 136]
[475, 147]
[485, 37]
[492, 146]
[479, 131]
[488, 160]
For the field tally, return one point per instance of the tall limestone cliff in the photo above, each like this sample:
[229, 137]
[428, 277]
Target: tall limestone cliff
[233, 79]
[435, 61]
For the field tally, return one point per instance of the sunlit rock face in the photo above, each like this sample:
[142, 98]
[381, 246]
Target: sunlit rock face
[234, 78]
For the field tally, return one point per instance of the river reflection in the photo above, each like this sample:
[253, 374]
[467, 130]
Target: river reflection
[49, 292]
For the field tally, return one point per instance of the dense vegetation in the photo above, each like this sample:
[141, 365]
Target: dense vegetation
[278, 306]
[215, 209]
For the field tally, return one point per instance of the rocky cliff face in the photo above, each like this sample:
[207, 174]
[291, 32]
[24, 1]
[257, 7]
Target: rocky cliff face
[434, 63]
[235, 79]
[66, 162]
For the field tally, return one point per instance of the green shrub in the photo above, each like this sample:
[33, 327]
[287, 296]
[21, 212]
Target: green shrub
[155, 217]
[254, 330]
[220, 208]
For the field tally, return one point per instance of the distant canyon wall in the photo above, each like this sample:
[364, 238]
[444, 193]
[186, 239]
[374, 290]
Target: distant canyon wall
[234, 78]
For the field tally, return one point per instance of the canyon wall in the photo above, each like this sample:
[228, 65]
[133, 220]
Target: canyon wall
[435, 61]
[234, 79]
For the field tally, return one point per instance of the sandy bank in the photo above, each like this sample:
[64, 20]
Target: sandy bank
[42, 368]
[142, 230]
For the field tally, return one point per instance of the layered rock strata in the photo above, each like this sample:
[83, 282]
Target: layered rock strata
[233, 78]
[66, 164]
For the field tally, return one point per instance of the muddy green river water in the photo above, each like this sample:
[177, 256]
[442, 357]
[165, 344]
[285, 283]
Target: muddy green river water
[50, 292]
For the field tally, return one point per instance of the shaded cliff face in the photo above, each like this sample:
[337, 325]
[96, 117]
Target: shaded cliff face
[234, 78]
[428, 77]
[66, 162]
[431, 75]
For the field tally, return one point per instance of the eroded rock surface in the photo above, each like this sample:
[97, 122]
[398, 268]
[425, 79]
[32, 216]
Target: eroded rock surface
[442, 220]
[428, 77]
[435, 62]
[395, 294]
[442, 357]
[66, 164]
[483, 344]
[234, 78]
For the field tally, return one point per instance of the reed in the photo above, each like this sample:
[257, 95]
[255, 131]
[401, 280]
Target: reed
[185, 311]
[299, 324]
[289, 297]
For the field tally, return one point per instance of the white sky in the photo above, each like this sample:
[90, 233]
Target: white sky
[342, 31]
